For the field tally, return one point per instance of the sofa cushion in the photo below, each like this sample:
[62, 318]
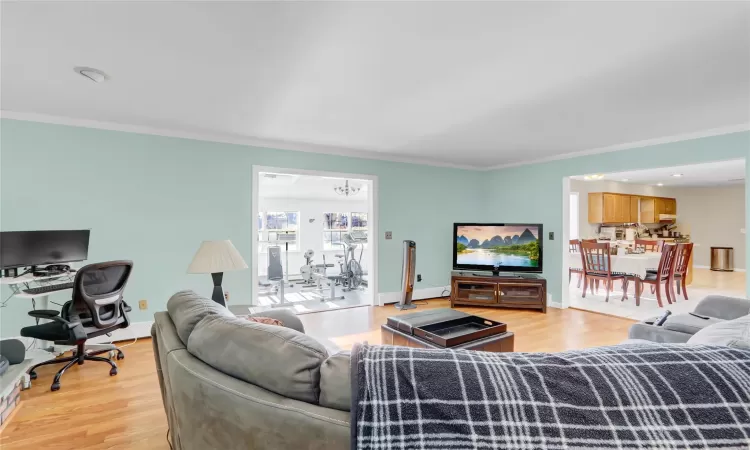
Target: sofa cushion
[279, 359]
[732, 333]
[335, 382]
[688, 323]
[186, 308]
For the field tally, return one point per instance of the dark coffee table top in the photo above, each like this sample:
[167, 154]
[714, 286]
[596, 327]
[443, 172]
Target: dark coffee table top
[406, 322]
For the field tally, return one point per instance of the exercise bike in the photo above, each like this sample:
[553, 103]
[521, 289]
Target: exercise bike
[352, 275]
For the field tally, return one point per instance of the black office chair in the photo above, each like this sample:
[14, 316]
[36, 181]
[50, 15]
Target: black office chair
[96, 308]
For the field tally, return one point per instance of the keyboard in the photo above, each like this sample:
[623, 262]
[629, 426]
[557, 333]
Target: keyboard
[48, 288]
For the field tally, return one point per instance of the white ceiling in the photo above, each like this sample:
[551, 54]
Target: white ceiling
[461, 83]
[307, 187]
[721, 173]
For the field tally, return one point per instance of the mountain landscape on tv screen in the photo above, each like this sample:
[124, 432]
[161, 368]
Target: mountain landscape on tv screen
[474, 246]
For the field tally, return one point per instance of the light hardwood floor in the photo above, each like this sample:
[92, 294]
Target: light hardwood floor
[96, 411]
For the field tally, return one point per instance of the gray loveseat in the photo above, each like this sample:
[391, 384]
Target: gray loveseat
[230, 383]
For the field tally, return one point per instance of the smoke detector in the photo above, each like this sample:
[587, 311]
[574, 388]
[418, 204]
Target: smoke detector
[95, 75]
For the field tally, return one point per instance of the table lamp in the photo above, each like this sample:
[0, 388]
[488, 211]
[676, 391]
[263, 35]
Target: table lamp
[217, 257]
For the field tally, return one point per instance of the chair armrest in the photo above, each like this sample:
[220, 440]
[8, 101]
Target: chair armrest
[44, 313]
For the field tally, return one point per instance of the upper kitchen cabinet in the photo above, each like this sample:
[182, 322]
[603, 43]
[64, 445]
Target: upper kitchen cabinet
[605, 207]
[657, 209]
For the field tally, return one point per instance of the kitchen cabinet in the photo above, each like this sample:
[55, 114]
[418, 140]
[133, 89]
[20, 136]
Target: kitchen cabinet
[653, 207]
[605, 207]
[611, 208]
[635, 208]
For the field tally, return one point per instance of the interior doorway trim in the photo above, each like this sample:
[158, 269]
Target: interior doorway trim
[372, 200]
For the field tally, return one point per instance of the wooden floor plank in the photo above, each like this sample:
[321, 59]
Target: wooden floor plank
[96, 411]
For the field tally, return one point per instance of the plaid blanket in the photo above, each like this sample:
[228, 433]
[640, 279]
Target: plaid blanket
[665, 396]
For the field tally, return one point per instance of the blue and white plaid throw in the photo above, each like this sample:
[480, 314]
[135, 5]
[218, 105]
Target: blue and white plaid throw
[661, 396]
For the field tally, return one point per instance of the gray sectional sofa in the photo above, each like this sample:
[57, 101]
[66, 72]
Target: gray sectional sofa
[230, 383]
[680, 328]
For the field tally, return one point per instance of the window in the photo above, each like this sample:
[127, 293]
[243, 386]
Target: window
[334, 227]
[338, 224]
[260, 226]
[359, 223]
[280, 228]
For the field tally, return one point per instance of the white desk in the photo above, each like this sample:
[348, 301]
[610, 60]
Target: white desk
[41, 301]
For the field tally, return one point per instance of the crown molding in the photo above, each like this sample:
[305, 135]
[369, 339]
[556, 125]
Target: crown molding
[347, 152]
[630, 145]
[226, 139]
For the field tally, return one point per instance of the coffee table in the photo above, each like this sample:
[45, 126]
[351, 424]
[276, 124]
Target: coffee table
[400, 330]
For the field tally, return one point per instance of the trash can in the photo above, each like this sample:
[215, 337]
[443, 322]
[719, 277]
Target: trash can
[722, 259]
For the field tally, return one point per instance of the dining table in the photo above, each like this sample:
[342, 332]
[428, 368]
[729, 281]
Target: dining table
[631, 264]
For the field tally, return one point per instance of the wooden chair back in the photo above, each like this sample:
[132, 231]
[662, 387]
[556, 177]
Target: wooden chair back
[573, 246]
[596, 258]
[647, 245]
[667, 262]
[682, 258]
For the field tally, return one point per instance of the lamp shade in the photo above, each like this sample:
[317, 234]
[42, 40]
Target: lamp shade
[216, 256]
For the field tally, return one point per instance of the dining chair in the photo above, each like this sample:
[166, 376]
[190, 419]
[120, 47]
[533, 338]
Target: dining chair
[682, 262]
[663, 275]
[573, 247]
[596, 261]
[647, 245]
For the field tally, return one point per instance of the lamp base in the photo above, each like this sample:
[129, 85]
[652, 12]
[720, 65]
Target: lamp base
[218, 293]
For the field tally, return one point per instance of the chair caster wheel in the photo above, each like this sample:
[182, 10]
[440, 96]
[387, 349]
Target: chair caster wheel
[112, 372]
[32, 375]
[55, 387]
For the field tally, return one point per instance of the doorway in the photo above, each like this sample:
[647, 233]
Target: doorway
[701, 204]
[315, 240]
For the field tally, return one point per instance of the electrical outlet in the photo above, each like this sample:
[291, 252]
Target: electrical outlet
[551, 235]
[226, 296]
[419, 277]
[389, 235]
[143, 304]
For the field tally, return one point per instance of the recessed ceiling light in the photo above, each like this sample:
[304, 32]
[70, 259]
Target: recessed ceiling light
[593, 177]
[95, 75]
[660, 184]
[677, 175]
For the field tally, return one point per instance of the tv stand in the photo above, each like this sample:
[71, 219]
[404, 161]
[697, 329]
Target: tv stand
[523, 291]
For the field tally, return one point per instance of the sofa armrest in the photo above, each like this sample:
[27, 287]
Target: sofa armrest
[721, 307]
[286, 316]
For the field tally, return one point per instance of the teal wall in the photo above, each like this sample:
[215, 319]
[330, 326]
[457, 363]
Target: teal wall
[153, 200]
[533, 193]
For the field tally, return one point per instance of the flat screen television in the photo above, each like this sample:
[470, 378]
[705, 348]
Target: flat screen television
[500, 247]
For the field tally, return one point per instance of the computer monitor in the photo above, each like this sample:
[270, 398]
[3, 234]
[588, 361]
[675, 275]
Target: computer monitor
[35, 248]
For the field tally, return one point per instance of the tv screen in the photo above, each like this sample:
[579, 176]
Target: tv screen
[507, 247]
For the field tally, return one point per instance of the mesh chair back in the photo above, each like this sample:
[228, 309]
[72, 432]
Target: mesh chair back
[98, 288]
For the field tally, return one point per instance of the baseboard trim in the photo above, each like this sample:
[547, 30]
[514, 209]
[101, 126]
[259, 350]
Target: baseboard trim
[709, 268]
[386, 298]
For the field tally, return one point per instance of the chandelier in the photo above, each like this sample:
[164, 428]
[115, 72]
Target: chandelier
[346, 189]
